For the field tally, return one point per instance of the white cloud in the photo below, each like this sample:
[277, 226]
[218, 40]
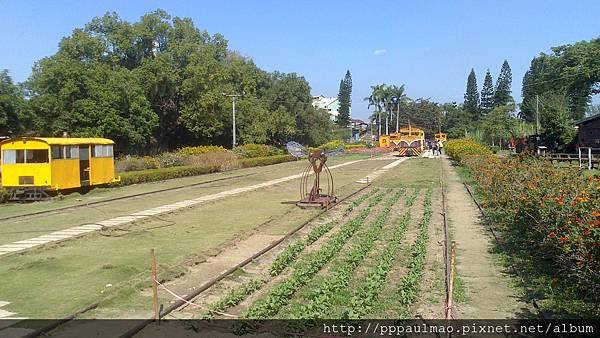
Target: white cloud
[379, 51]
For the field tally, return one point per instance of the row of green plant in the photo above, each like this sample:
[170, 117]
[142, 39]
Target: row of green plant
[321, 297]
[234, 297]
[287, 256]
[368, 290]
[282, 261]
[359, 200]
[322, 294]
[548, 219]
[409, 285]
[304, 270]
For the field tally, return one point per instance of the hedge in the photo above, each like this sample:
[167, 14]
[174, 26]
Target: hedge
[262, 161]
[256, 150]
[151, 175]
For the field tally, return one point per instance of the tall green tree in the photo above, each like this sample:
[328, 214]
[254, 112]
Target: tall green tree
[158, 83]
[555, 119]
[498, 125]
[487, 94]
[502, 91]
[471, 104]
[376, 100]
[12, 107]
[345, 101]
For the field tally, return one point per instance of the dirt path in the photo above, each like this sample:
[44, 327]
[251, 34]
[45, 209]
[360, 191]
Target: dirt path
[486, 285]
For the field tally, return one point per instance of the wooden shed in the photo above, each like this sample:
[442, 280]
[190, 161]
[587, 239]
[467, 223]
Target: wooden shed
[589, 132]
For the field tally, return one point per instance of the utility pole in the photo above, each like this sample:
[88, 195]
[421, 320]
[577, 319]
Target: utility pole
[397, 114]
[233, 97]
[537, 115]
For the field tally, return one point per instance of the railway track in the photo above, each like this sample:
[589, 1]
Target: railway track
[198, 291]
[84, 205]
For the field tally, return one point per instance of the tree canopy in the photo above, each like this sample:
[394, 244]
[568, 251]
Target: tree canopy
[158, 84]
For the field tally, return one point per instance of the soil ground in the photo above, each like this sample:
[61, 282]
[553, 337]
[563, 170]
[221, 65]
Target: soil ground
[486, 285]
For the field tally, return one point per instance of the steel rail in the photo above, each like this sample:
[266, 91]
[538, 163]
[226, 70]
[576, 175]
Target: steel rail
[59, 210]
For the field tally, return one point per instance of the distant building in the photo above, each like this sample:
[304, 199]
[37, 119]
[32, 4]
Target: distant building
[359, 129]
[589, 131]
[330, 104]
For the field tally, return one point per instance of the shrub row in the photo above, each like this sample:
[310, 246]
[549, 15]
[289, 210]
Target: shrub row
[201, 150]
[262, 161]
[256, 150]
[135, 177]
[209, 163]
[542, 211]
[460, 149]
[553, 212]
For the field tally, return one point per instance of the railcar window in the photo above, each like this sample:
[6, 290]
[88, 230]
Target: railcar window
[73, 151]
[20, 156]
[58, 152]
[36, 156]
[9, 157]
[103, 150]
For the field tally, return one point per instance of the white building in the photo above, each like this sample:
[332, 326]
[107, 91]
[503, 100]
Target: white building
[330, 104]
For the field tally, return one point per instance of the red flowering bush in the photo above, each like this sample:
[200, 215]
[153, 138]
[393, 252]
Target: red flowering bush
[555, 211]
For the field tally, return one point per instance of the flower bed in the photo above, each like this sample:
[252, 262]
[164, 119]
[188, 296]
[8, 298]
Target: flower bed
[553, 212]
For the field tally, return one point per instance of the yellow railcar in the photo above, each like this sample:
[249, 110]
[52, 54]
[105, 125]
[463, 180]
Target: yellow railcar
[408, 141]
[31, 166]
[441, 137]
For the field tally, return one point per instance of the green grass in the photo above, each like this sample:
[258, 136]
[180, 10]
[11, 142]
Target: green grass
[54, 281]
[413, 173]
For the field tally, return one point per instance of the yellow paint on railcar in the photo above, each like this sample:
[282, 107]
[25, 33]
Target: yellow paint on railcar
[407, 138]
[56, 163]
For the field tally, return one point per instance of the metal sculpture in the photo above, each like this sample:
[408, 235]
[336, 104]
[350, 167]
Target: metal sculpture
[315, 195]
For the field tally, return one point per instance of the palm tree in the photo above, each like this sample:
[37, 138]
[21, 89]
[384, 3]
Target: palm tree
[375, 100]
[398, 98]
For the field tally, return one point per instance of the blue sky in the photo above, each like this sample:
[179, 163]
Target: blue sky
[429, 46]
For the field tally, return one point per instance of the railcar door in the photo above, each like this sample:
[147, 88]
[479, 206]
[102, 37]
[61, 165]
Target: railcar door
[84, 165]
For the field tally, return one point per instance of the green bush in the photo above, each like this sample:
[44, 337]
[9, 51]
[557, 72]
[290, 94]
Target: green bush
[200, 150]
[262, 161]
[494, 149]
[331, 145]
[256, 150]
[134, 177]
[135, 163]
[4, 195]
[356, 146]
[167, 160]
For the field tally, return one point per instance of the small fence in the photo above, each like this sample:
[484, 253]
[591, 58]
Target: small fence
[584, 158]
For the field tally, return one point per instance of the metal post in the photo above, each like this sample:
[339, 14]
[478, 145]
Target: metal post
[233, 97]
[579, 156]
[397, 114]
[371, 139]
[590, 158]
[537, 115]
[154, 285]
